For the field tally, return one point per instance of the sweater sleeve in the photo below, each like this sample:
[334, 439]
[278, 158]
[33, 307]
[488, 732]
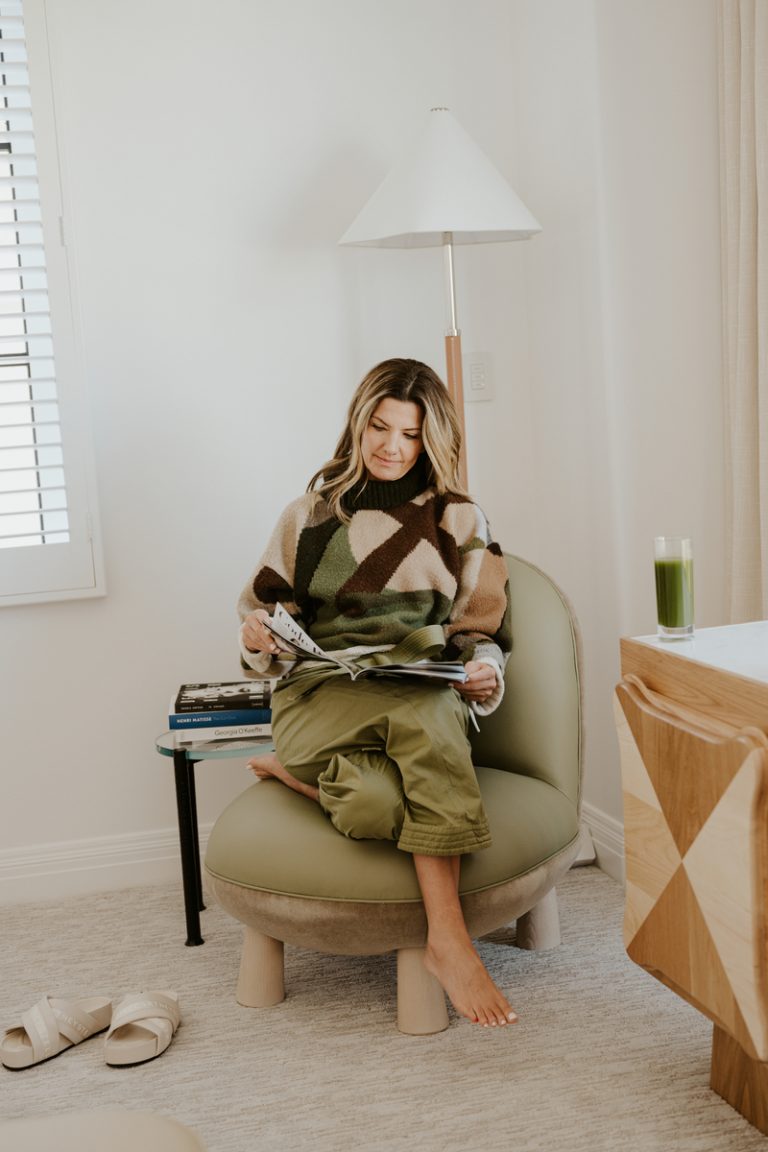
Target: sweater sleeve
[273, 581]
[479, 627]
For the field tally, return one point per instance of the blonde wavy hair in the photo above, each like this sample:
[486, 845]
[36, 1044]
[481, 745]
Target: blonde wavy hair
[409, 381]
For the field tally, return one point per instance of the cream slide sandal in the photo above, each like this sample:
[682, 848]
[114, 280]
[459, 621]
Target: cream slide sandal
[51, 1026]
[142, 1027]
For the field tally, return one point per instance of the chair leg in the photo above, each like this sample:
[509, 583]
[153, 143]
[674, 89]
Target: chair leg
[539, 928]
[421, 1006]
[261, 982]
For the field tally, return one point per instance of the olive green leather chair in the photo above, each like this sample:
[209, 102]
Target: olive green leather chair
[275, 862]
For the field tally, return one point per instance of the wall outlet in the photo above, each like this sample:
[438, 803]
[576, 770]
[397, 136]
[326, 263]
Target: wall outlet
[478, 377]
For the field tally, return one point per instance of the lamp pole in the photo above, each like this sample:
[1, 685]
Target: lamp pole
[454, 377]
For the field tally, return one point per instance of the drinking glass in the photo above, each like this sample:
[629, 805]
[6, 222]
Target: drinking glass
[674, 586]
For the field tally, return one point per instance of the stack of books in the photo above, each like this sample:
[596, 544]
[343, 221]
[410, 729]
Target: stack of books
[222, 710]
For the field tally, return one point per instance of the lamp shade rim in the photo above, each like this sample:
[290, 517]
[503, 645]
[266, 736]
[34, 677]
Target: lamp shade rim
[433, 239]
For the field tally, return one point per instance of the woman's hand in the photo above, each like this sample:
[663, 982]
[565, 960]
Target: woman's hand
[256, 637]
[481, 682]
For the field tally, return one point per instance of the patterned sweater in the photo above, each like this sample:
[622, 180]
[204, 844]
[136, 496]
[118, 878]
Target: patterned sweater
[408, 557]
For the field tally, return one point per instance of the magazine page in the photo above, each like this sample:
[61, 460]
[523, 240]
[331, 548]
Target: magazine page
[444, 670]
[284, 627]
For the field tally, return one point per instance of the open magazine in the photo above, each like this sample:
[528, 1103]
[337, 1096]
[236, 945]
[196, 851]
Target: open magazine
[294, 639]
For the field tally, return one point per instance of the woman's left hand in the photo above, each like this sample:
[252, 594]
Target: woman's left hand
[481, 681]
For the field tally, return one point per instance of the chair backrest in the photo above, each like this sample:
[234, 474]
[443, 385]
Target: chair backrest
[537, 729]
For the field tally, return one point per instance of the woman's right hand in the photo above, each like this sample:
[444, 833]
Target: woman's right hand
[256, 637]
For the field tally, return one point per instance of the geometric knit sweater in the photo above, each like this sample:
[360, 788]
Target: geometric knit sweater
[407, 558]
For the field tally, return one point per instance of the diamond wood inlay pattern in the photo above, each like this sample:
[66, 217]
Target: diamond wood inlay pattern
[696, 841]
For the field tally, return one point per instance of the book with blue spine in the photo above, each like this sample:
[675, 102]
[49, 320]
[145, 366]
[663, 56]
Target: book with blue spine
[238, 716]
[240, 707]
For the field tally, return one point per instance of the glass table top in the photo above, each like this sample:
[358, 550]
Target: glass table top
[171, 742]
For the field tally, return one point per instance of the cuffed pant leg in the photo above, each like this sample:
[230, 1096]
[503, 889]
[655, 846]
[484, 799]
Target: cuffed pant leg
[427, 738]
[363, 797]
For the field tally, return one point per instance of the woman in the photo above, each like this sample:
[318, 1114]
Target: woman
[383, 545]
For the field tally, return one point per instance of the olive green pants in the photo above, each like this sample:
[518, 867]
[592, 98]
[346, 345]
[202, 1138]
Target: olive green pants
[390, 758]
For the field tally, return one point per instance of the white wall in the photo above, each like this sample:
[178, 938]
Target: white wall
[213, 156]
[618, 146]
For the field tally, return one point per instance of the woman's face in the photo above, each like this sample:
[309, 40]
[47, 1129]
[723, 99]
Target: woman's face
[392, 441]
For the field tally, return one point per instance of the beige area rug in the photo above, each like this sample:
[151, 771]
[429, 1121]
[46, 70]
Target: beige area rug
[604, 1057]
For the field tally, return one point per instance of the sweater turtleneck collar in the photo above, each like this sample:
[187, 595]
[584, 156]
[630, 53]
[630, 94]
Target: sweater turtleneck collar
[383, 494]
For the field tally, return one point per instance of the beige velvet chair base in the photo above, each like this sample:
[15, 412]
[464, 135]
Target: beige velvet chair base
[324, 925]
[365, 928]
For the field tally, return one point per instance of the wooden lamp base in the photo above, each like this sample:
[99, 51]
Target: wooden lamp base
[455, 383]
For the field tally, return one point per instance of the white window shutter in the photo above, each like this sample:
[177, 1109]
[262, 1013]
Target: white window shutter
[47, 524]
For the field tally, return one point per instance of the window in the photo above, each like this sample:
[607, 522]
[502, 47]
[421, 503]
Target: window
[47, 524]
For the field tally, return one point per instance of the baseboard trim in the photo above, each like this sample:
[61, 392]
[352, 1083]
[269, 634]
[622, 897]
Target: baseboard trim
[107, 863]
[608, 839]
[65, 868]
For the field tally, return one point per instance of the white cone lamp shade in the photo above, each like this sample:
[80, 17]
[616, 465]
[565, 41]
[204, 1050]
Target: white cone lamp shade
[443, 183]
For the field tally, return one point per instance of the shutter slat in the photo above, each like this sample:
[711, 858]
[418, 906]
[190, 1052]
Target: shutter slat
[28, 468]
[26, 383]
[27, 361]
[18, 181]
[35, 491]
[62, 536]
[24, 315]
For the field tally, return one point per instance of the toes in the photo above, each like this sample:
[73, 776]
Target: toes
[501, 1016]
[483, 1017]
[506, 1014]
[493, 1016]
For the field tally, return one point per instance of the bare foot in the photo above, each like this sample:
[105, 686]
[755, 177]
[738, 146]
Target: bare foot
[269, 765]
[266, 766]
[467, 984]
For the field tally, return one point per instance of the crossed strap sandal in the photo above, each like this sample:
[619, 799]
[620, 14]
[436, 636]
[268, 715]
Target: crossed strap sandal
[52, 1026]
[142, 1027]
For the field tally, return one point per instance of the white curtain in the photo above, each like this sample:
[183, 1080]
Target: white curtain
[743, 57]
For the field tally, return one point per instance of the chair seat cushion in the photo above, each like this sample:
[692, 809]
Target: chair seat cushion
[274, 840]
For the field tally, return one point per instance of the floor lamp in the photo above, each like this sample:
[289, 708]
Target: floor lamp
[443, 191]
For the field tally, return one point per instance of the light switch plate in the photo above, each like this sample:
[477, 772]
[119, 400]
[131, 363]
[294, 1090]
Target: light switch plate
[478, 377]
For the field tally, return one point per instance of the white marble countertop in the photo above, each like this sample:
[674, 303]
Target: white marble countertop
[738, 648]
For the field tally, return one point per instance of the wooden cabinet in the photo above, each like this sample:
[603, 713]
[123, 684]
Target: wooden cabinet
[692, 719]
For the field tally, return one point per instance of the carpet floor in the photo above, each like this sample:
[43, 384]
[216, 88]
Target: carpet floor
[603, 1057]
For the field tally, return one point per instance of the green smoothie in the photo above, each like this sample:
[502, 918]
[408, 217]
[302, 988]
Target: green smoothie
[674, 592]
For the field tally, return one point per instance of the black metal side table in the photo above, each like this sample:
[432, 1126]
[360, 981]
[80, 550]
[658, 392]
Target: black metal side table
[185, 756]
